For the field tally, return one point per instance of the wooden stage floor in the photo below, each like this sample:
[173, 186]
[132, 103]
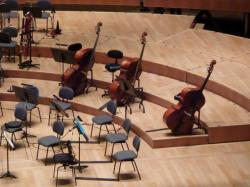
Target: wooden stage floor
[175, 57]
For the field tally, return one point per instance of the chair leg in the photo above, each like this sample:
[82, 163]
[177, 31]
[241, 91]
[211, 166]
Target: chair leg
[73, 113]
[106, 146]
[1, 136]
[46, 156]
[114, 167]
[39, 114]
[133, 165]
[26, 137]
[122, 147]
[114, 127]
[54, 170]
[49, 116]
[99, 137]
[1, 109]
[119, 171]
[127, 145]
[111, 156]
[107, 128]
[37, 151]
[75, 175]
[137, 169]
[91, 129]
[30, 119]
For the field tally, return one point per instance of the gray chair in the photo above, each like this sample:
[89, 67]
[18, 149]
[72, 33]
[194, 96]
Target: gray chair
[45, 6]
[128, 156]
[66, 160]
[12, 5]
[30, 101]
[119, 137]
[65, 94]
[51, 141]
[7, 43]
[17, 125]
[105, 119]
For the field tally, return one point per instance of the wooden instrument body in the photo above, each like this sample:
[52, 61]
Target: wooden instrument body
[127, 72]
[75, 76]
[180, 117]
[130, 71]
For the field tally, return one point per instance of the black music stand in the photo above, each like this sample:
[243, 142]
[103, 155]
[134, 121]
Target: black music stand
[132, 92]
[28, 63]
[21, 94]
[80, 128]
[9, 143]
[62, 56]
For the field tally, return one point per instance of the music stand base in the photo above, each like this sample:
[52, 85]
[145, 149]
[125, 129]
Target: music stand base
[28, 64]
[8, 174]
[80, 168]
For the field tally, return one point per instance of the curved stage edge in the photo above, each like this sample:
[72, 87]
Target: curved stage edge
[214, 134]
[171, 72]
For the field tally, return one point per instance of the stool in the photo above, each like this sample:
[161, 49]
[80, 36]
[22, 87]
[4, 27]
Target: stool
[113, 67]
[75, 47]
[72, 49]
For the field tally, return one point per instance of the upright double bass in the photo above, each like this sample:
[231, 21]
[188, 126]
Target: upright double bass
[130, 72]
[75, 76]
[180, 117]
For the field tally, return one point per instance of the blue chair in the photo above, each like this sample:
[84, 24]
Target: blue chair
[45, 6]
[120, 138]
[51, 141]
[128, 156]
[65, 94]
[105, 119]
[12, 5]
[30, 101]
[17, 125]
[7, 43]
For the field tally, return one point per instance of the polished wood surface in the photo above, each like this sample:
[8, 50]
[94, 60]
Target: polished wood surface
[221, 5]
[175, 55]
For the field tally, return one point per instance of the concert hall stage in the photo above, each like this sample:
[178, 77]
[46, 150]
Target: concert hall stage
[175, 57]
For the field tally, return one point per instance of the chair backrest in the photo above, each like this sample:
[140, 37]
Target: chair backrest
[11, 31]
[66, 93]
[44, 4]
[58, 127]
[4, 38]
[126, 125]
[111, 107]
[136, 143]
[4, 8]
[32, 94]
[12, 4]
[21, 113]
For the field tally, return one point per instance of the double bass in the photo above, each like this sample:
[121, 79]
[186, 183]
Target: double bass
[130, 71]
[180, 117]
[75, 76]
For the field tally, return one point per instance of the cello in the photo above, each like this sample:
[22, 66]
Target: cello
[180, 117]
[75, 76]
[130, 71]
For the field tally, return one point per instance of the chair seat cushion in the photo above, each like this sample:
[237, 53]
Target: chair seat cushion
[48, 141]
[125, 155]
[102, 119]
[12, 14]
[112, 67]
[13, 124]
[64, 158]
[12, 44]
[45, 15]
[63, 106]
[116, 138]
[27, 106]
